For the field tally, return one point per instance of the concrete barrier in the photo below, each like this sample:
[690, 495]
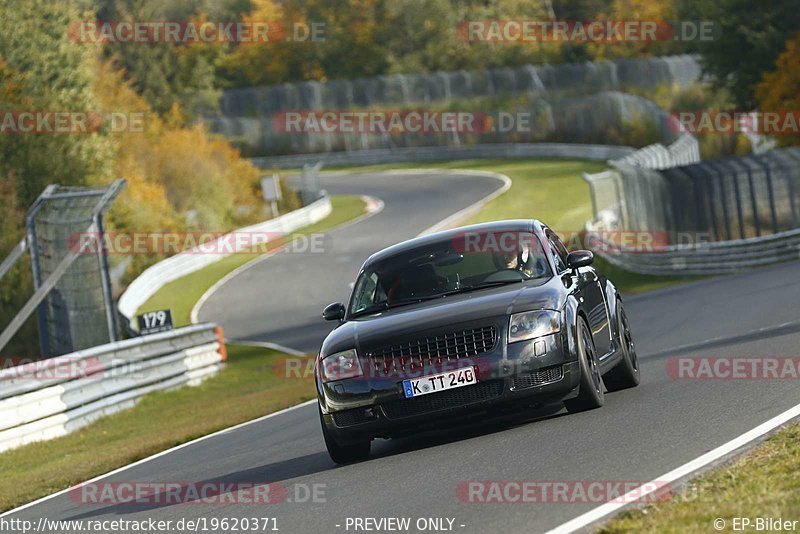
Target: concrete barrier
[54, 397]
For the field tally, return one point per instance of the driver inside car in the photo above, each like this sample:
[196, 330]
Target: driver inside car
[525, 261]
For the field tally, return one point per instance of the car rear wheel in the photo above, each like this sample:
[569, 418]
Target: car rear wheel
[590, 392]
[626, 373]
[344, 453]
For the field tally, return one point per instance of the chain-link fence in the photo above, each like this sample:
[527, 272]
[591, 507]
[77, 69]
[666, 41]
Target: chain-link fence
[712, 216]
[729, 198]
[70, 269]
[582, 103]
[633, 194]
[408, 89]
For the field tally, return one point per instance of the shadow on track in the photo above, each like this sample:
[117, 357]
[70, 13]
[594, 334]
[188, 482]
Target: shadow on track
[310, 464]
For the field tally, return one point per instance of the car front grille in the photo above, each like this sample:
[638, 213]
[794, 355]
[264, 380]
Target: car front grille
[538, 378]
[452, 398]
[427, 351]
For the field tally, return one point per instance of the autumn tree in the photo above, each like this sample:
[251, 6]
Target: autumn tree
[779, 89]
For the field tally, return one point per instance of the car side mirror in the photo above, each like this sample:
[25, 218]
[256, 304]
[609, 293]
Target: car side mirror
[579, 258]
[333, 312]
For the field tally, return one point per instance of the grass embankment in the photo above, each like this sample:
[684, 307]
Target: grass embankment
[762, 483]
[246, 389]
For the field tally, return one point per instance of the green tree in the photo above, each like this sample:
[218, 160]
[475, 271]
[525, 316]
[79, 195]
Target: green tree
[167, 74]
[749, 39]
[41, 70]
[45, 71]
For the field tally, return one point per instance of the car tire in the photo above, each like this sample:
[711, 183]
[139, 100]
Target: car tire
[344, 453]
[626, 373]
[590, 390]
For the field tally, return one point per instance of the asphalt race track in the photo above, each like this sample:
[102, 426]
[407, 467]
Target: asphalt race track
[301, 283]
[638, 435]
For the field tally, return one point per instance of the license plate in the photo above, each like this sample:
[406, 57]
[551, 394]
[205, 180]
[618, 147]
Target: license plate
[440, 382]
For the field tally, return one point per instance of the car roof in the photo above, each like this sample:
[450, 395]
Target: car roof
[519, 225]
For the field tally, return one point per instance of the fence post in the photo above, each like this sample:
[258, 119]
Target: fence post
[708, 190]
[790, 183]
[752, 189]
[770, 191]
[739, 218]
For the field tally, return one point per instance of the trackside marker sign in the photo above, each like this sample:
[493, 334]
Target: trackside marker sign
[154, 322]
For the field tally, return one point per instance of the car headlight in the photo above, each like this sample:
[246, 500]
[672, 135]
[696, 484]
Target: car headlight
[341, 365]
[529, 325]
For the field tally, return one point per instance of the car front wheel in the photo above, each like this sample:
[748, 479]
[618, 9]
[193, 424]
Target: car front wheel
[344, 453]
[626, 373]
[590, 392]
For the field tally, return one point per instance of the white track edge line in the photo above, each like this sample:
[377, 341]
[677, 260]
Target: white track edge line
[457, 216]
[268, 345]
[683, 471]
[158, 455]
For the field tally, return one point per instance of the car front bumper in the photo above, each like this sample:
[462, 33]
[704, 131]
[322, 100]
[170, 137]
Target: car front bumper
[534, 372]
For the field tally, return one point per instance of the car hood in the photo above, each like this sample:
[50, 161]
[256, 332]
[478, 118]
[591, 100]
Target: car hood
[450, 310]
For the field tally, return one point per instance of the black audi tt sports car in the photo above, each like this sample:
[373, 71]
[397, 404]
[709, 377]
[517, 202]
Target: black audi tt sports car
[465, 320]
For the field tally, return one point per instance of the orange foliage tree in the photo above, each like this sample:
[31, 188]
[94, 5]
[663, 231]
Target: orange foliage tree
[779, 90]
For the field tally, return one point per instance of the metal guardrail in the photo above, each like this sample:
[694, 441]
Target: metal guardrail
[53, 397]
[401, 90]
[174, 267]
[379, 156]
[739, 212]
[720, 257]
[683, 151]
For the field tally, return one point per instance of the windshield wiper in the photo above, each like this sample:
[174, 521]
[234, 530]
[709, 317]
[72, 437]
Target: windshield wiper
[380, 306]
[465, 289]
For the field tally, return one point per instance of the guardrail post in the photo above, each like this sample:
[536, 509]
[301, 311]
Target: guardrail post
[739, 218]
[708, 193]
[592, 194]
[624, 216]
[770, 191]
[105, 280]
[723, 199]
[701, 221]
[223, 349]
[752, 189]
[778, 157]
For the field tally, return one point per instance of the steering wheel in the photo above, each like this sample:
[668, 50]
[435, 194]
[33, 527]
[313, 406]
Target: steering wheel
[504, 275]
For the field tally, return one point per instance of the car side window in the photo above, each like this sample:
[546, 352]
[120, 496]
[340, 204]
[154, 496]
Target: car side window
[559, 252]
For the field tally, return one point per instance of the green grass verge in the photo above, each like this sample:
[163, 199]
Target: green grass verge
[181, 295]
[247, 388]
[762, 483]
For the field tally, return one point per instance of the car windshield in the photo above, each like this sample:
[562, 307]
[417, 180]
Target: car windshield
[467, 262]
